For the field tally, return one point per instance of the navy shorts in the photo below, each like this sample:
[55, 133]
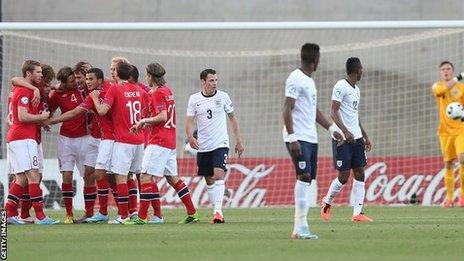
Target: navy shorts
[208, 161]
[349, 155]
[307, 162]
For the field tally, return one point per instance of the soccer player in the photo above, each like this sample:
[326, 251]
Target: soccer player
[128, 105]
[352, 154]
[73, 144]
[22, 146]
[44, 88]
[101, 129]
[450, 132]
[160, 155]
[300, 114]
[210, 107]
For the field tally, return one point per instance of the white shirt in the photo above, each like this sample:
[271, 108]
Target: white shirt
[211, 119]
[349, 97]
[302, 88]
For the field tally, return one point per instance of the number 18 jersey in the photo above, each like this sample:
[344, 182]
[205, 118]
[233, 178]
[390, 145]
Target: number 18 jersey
[211, 119]
[163, 134]
[129, 105]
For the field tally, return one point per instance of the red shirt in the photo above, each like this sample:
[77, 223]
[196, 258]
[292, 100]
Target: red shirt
[20, 97]
[106, 121]
[129, 104]
[67, 101]
[164, 133]
[43, 106]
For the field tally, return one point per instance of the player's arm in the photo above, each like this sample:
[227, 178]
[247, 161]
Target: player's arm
[294, 145]
[335, 115]
[238, 136]
[159, 118]
[189, 120]
[100, 107]
[69, 115]
[20, 81]
[26, 117]
[334, 133]
[367, 142]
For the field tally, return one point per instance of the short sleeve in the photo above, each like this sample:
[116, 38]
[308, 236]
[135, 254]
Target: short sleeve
[338, 92]
[158, 102]
[110, 96]
[191, 111]
[24, 99]
[228, 107]
[87, 104]
[291, 89]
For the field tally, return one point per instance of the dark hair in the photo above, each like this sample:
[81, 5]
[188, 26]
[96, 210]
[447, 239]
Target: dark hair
[64, 73]
[446, 62]
[309, 53]
[205, 72]
[134, 73]
[98, 73]
[124, 70]
[79, 67]
[352, 64]
[156, 70]
[29, 66]
[47, 72]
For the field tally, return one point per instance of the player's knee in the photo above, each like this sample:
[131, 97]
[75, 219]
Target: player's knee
[21, 180]
[145, 178]
[305, 177]
[209, 181]
[171, 180]
[343, 176]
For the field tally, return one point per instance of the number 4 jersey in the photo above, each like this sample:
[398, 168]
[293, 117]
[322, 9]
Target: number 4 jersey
[129, 105]
[163, 134]
[211, 119]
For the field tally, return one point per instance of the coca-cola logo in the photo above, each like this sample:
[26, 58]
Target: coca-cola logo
[399, 188]
[246, 194]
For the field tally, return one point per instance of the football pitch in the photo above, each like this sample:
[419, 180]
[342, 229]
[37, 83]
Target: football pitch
[398, 233]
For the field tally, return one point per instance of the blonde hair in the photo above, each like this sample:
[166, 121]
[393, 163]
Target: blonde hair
[119, 59]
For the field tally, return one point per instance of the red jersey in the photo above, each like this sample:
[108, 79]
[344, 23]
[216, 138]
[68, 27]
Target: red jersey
[129, 104]
[67, 101]
[20, 97]
[106, 121]
[164, 133]
[43, 106]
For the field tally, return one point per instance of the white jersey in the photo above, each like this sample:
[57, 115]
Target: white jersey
[302, 88]
[211, 119]
[349, 97]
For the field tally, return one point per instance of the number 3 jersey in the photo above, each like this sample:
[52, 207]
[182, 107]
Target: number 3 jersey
[349, 97]
[128, 103]
[211, 119]
[164, 133]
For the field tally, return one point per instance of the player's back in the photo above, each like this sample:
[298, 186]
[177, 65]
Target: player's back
[163, 134]
[455, 94]
[128, 103]
[20, 97]
[68, 100]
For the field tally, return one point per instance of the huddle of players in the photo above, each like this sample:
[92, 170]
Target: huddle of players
[112, 129]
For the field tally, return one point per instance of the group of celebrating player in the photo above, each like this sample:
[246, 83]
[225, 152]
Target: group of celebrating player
[120, 134]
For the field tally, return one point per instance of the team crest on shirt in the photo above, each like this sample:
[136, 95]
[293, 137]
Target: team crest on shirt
[24, 100]
[339, 163]
[302, 164]
[218, 103]
[455, 93]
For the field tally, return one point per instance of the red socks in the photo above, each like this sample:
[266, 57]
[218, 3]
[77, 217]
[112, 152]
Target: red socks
[132, 187]
[90, 194]
[68, 194]
[147, 194]
[123, 200]
[102, 192]
[184, 195]
[14, 195]
[155, 202]
[36, 198]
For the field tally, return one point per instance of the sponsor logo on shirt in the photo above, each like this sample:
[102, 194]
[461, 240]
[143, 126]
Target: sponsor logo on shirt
[24, 100]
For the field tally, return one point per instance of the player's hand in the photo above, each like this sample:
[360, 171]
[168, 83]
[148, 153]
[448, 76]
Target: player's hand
[367, 144]
[295, 148]
[136, 127]
[193, 143]
[239, 149]
[52, 121]
[44, 115]
[349, 137]
[339, 138]
[95, 94]
[36, 98]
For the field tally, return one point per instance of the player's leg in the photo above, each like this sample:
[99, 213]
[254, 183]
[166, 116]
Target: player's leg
[219, 163]
[358, 162]
[459, 145]
[137, 152]
[182, 190]
[15, 192]
[342, 163]
[305, 169]
[206, 170]
[67, 157]
[449, 155]
[88, 156]
[133, 193]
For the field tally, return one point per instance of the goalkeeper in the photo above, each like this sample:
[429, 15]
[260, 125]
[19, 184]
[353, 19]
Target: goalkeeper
[450, 132]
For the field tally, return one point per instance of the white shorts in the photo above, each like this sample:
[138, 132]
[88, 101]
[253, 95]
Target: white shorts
[40, 157]
[126, 158]
[72, 151]
[92, 152]
[22, 155]
[105, 151]
[159, 161]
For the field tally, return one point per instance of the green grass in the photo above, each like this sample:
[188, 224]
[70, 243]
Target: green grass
[398, 233]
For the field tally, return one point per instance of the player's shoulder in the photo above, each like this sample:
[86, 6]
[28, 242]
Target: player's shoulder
[296, 75]
[221, 93]
[196, 96]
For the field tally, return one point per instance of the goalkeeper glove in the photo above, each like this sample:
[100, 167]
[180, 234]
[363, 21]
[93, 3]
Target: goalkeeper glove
[459, 77]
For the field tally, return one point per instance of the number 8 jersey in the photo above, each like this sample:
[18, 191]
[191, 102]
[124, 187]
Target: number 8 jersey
[129, 105]
[211, 119]
[163, 134]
